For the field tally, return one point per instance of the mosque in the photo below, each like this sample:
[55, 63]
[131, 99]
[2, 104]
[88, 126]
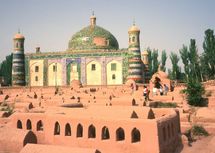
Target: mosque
[93, 57]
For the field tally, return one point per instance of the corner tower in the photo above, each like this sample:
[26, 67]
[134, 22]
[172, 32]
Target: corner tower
[18, 65]
[135, 62]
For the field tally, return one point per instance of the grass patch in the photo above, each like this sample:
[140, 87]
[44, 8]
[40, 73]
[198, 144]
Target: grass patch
[195, 132]
[163, 105]
[198, 130]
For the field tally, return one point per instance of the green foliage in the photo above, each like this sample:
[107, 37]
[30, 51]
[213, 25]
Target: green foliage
[163, 60]
[175, 73]
[155, 62]
[198, 130]
[185, 60]
[194, 92]
[150, 61]
[6, 69]
[163, 105]
[194, 61]
[208, 57]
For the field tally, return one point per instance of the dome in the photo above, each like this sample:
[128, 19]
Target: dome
[18, 36]
[91, 38]
[145, 52]
[134, 28]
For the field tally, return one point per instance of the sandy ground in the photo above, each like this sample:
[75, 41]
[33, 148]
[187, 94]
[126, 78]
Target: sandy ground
[204, 145]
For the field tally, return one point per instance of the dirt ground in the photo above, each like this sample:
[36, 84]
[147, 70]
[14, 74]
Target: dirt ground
[204, 145]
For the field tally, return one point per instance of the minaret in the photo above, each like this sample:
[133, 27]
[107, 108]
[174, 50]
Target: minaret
[135, 62]
[145, 59]
[18, 66]
[93, 20]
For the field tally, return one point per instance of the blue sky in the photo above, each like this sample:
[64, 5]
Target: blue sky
[164, 24]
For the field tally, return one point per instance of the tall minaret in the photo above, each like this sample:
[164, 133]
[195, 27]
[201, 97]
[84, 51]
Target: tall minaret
[18, 67]
[135, 63]
[145, 59]
[93, 20]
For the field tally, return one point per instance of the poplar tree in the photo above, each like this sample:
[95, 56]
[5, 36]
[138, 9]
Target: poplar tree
[6, 69]
[175, 72]
[163, 60]
[155, 62]
[208, 57]
[194, 61]
[184, 53]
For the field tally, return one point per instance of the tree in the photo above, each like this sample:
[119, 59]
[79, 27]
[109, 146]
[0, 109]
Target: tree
[163, 60]
[185, 60]
[155, 62]
[194, 92]
[208, 57]
[6, 69]
[194, 61]
[175, 72]
[150, 61]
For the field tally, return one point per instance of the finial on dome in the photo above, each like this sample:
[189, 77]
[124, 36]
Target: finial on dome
[93, 19]
[134, 22]
[19, 30]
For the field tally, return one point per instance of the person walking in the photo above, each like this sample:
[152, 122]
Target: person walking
[146, 93]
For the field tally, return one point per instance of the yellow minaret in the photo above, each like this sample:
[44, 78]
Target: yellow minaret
[135, 62]
[93, 19]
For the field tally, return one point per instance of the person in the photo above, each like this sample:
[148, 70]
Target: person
[161, 90]
[154, 90]
[166, 89]
[145, 92]
[132, 88]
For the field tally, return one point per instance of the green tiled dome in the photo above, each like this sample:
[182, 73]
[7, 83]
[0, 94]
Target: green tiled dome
[85, 39]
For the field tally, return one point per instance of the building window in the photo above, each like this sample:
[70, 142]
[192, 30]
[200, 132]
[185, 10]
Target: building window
[36, 78]
[19, 124]
[129, 39]
[57, 129]
[120, 134]
[135, 135]
[79, 131]
[36, 68]
[133, 39]
[28, 125]
[68, 130]
[113, 66]
[55, 68]
[113, 77]
[107, 42]
[91, 131]
[105, 133]
[17, 45]
[39, 126]
[93, 67]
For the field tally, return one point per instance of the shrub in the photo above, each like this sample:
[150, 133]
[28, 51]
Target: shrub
[195, 131]
[198, 130]
[194, 92]
[163, 105]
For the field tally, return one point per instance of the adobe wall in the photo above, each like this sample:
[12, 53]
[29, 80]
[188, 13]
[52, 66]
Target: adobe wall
[151, 132]
[13, 140]
[169, 132]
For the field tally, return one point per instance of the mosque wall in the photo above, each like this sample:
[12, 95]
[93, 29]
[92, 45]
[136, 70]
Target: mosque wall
[114, 72]
[110, 69]
[94, 73]
[36, 72]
